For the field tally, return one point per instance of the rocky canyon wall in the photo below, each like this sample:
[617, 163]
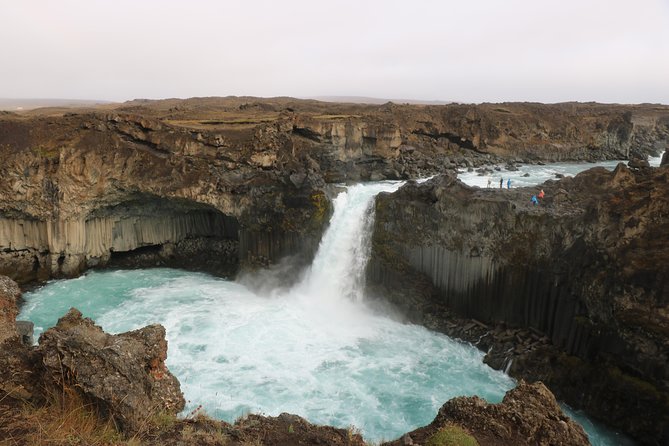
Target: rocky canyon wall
[228, 183]
[35, 250]
[354, 142]
[526, 131]
[587, 268]
[81, 191]
[262, 166]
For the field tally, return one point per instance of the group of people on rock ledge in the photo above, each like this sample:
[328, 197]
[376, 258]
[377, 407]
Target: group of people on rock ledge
[535, 198]
[501, 183]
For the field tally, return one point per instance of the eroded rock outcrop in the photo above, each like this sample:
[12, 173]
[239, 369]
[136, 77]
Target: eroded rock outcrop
[587, 268]
[9, 295]
[528, 415]
[124, 375]
[17, 378]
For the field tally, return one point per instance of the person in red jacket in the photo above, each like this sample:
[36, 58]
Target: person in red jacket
[541, 194]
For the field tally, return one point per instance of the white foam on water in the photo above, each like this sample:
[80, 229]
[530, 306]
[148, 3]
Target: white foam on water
[315, 350]
[655, 161]
[235, 352]
[537, 174]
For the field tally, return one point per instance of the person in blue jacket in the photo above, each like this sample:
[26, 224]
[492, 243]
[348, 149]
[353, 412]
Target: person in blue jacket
[534, 200]
[508, 183]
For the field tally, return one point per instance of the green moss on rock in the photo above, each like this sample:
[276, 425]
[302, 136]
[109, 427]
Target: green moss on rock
[451, 436]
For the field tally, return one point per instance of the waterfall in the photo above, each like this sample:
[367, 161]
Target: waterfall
[315, 350]
[337, 271]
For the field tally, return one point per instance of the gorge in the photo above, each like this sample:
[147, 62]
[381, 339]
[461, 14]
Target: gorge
[237, 184]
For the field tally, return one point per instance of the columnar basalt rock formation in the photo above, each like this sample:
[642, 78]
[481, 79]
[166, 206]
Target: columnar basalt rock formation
[149, 182]
[79, 190]
[587, 268]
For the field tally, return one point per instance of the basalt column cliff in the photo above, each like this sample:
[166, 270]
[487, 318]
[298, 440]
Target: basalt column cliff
[81, 191]
[215, 183]
[585, 270]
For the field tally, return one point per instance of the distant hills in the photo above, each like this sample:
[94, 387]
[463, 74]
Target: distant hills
[19, 104]
[368, 100]
[22, 104]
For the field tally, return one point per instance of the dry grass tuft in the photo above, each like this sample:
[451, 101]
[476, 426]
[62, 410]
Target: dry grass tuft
[65, 420]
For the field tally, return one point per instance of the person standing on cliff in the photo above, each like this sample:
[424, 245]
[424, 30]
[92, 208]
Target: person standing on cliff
[508, 183]
[534, 200]
[541, 194]
[489, 182]
[501, 183]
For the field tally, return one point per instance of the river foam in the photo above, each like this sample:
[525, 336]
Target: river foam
[534, 174]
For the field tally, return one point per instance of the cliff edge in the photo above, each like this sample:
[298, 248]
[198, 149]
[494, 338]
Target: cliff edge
[584, 272]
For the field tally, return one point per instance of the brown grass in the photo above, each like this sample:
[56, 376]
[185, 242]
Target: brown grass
[65, 420]
[323, 117]
[223, 121]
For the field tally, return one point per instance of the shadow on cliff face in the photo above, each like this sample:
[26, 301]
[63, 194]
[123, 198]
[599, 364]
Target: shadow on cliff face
[140, 231]
[152, 231]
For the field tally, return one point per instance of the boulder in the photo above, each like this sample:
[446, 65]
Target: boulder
[124, 375]
[528, 415]
[298, 178]
[25, 330]
[637, 163]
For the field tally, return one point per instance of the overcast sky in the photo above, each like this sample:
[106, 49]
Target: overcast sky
[465, 51]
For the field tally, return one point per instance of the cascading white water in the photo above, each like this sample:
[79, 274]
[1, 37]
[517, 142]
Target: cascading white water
[337, 271]
[315, 350]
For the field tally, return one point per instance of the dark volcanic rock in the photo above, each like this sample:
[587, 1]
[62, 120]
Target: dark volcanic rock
[9, 295]
[638, 163]
[17, 363]
[288, 430]
[587, 268]
[124, 375]
[78, 189]
[528, 415]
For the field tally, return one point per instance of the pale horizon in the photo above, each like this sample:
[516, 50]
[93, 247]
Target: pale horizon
[482, 51]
